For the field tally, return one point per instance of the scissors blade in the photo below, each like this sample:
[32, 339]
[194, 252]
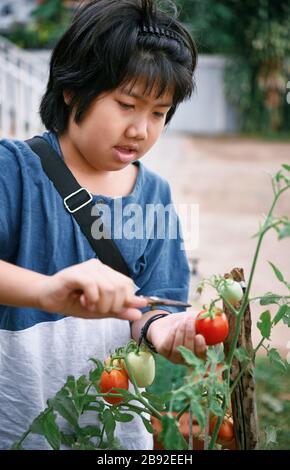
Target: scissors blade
[152, 301]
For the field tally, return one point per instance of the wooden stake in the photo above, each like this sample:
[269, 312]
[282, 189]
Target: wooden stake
[243, 399]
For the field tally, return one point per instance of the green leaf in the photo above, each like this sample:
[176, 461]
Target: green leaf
[198, 412]
[215, 355]
[284, 232]
[110, 424]
[286, 318]
[241, 354]
[91, 431]
[278, 273]
[157, 401]
[45, 424]
[265, 324]
[95, 375]
[147, 424]
[276, 359]
[70, 383]
[283, 310]
[65, 406]
[171, 437]
[98, 363]
[189, 357]
[83, 443]
[122, 417]
[216, 408]
[98, 407]
[67, 439]
[286, 167]
[82, 384]
[270, 298]
[37, 424]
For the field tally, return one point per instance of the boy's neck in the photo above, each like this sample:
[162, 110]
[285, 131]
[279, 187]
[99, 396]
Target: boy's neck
[107, 183]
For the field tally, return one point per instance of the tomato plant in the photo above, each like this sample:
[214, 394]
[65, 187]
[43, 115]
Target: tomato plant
[113, 379]
[213, 327]
[231, 291]
[208, 386]
[142, 367]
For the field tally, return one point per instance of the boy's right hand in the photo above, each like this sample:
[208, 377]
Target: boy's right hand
[90, 290]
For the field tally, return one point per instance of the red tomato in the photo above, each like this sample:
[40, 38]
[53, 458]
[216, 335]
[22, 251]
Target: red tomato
[114, 379]
[214, 330]
[226, 431]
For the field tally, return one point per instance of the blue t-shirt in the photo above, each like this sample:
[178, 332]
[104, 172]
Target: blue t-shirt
[39, 349]
[37, 233]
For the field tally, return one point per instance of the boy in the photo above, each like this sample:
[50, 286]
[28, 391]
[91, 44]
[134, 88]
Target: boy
[116, 78]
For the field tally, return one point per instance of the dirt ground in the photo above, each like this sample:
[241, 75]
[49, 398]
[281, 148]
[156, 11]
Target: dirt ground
[228, 179]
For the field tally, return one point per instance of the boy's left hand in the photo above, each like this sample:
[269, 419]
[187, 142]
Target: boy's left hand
[174, 330]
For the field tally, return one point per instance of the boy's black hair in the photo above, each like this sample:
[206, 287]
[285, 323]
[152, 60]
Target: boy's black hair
[104, 49]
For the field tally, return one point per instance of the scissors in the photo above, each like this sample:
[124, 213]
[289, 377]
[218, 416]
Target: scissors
[153, 301]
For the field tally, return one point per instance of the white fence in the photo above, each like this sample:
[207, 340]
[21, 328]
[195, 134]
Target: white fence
[208, 111]
[23, 77]
[22, 83]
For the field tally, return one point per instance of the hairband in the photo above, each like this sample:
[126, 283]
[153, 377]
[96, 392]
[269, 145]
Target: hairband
[159, 32]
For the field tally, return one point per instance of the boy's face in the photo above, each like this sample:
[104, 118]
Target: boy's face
[117, 128]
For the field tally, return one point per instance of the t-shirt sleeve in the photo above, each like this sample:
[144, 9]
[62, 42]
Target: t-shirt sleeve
[166, 271]
[10, 203]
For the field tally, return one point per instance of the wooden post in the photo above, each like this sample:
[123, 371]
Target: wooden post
[243, 399]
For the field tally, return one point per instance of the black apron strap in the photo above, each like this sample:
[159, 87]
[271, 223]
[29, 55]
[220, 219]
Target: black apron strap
[78, 202]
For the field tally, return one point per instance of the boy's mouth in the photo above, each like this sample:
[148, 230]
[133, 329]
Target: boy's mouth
[125, 154]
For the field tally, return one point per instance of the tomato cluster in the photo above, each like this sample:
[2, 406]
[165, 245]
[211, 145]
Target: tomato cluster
[115, 375]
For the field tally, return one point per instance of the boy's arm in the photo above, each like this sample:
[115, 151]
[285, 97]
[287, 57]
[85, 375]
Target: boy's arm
[19, 287]
[87, 290]
[138, 324]
[168, 333]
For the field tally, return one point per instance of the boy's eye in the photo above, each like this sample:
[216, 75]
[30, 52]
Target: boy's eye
[125, 106]
[131, 106]
[159, 115]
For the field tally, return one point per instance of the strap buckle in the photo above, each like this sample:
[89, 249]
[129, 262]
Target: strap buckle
[73, 194]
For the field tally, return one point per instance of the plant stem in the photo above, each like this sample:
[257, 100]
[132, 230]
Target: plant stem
[262, 296]
[245, 366]
[190, 436]
[241, 313]
[178, 416]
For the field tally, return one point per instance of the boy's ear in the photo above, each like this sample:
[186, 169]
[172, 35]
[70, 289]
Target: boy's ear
[67, 96]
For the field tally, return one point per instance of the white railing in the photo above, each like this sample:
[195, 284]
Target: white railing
[23, 78]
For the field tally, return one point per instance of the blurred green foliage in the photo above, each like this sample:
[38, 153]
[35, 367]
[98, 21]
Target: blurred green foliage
[255, 34]
[48, 22]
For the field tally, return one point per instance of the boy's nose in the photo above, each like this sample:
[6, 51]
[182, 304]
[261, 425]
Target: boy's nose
[138, 130]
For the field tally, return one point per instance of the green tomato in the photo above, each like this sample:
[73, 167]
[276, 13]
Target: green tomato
[142, 366]
[231, 291]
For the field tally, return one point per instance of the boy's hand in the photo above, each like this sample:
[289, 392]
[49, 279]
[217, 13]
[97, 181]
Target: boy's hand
[176, 329]
[90, 290]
